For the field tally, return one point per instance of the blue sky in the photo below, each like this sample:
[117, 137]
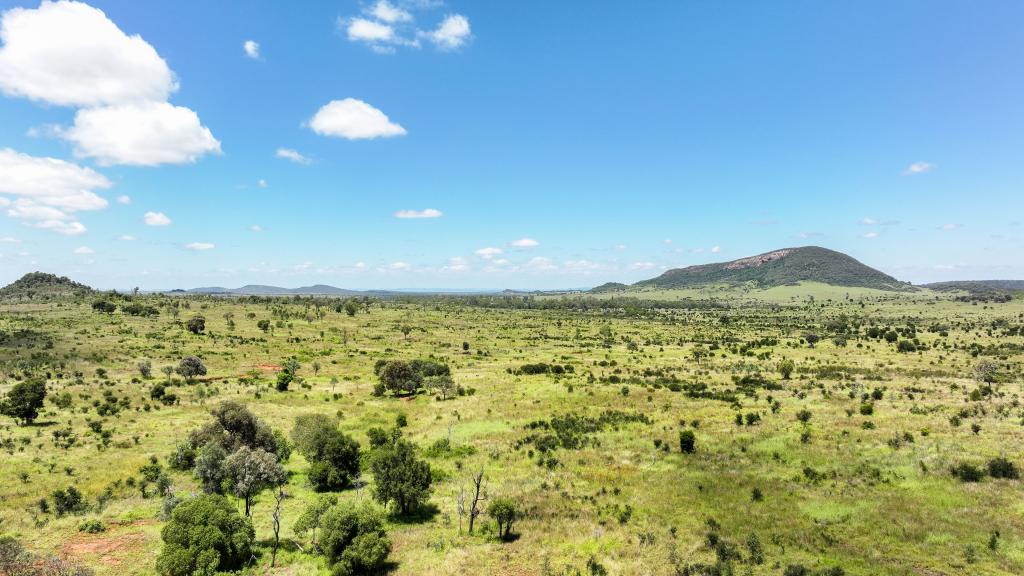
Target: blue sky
[555, 144]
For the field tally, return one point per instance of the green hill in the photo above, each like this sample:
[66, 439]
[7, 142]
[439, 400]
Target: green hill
[42, 286]
[977, 286]
[780, 268]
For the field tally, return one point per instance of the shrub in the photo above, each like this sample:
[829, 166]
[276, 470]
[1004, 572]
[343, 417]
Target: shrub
[967, 472]
[68, 501]
[354, 540]
[205, 535]
[687, 442]
[1002, 468]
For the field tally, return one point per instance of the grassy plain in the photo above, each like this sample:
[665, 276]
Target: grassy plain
[871, 494]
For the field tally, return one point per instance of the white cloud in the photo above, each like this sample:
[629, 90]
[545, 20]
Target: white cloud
[868, 221]
[918, 168]
[363, 30]
[452, 33]
[398, 266]
[541, 264]
[870, 235]
[82, 250]
[262, 183]
[49, 191]
[144, 134]
[427, 213]
[643, 266]
[126, 238]
[256, 228]
[948, 227]
[525, 243]
[488, 253]
[293, 155]
[123, 199]
[199, 246]
[388, 12]
[716, 249]
[353, 119]
[71, 54]
[73, 228]
[457, 264]
[9, 240]
[252, 49]
[156, 219]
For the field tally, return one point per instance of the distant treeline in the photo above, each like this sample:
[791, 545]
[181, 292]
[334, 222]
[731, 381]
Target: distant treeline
[581, 303]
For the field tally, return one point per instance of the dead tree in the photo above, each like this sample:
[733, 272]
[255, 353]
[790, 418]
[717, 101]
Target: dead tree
[474, 508]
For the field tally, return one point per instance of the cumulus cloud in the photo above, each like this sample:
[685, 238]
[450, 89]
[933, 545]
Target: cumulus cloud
[384, 26]
[716, 249]
[123, 199]
[199, 246]
[145, 134]
[293, 155]
[525, 243]
[48, 192]
[488, 253]
[452, 33]
[918, 168]
[84, 250]
[388, 12]
[426, 213]
[156, 219]
[71, 54]
[363, 30]
[252, 49]
[354, 120]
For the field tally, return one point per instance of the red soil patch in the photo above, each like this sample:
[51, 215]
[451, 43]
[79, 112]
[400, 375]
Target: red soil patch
[108, 549]
[269, 367]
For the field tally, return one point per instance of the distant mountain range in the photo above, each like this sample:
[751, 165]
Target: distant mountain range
[264, 290]
[783, 267]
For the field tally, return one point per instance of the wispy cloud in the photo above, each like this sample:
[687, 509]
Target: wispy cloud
[293, 155]
[425, 213]
[918, 168]
[200, 246]
[525, 243]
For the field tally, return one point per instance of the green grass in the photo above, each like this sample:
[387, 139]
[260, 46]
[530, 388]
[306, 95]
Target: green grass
[874, 509]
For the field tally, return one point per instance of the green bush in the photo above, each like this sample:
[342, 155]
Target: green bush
[205, 535]
[354, 540]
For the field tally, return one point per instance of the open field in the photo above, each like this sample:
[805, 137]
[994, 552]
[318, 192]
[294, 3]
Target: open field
[863, 483]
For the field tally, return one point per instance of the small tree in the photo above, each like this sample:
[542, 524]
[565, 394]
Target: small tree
[312, 516]
[209, 467]
[786, 368]
[190, 367]
[504, 512]
[196, 324]
[250, 472]
[276, 521]
[400, 477]
[399, 377]
[24, 400]
[205, 535]
[145, 369]
[168, 370]
[104, 307]
[263, 325]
